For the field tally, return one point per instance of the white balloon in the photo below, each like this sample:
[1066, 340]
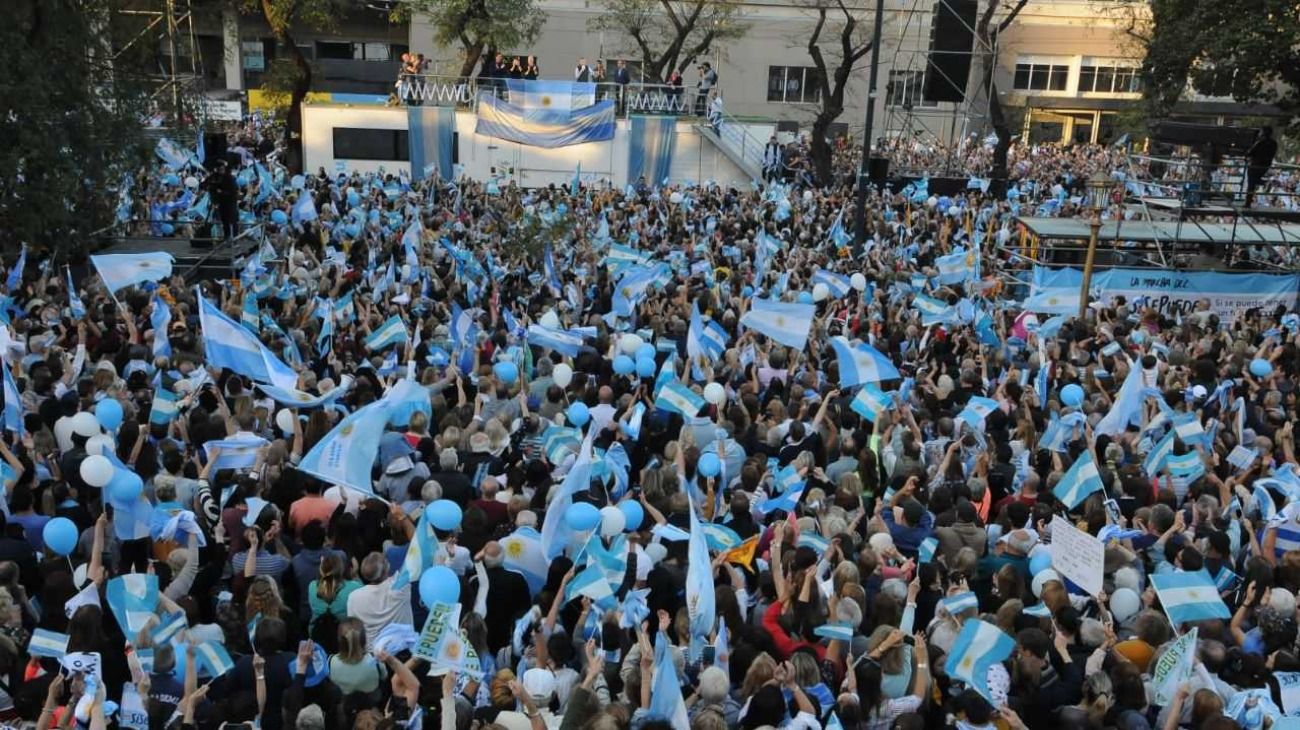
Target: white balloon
[85, 424]
[562, 375]
[551, 319]
[807, 196]
[96, 470]
[612, 521]
[715, 393]
[191, 182]
[285, 419]
[931, 201]
[858, 281]
[1042, 578]
[675, 198]
[820, 292]
[630, 343]
[99, 444]
[1124, 603]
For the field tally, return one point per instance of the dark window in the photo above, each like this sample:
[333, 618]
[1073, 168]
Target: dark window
[793, 84]
[1022, 76]
[334, 50]
[1058, 78]
[371, 144]
[1087, 78]
[776, 83]
[1041, 77]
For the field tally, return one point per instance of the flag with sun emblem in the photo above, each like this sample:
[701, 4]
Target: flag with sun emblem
[979, 646]
[1189, 597]
[443, 645]
[523, 554]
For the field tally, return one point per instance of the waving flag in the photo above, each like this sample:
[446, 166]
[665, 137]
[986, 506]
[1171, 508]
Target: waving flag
[977, 409]
[666, 701]
[419, 553]
[556, 534]
[46, 643]
[1155, 459]
[1186, 466]
[1127, 407]
[121, 270]
[304, 211]
[564, 342]
[861, 363]
[249, 316]
[838, 284]
[294, 398]
[524, 555]
[954, 605]
[391, 332]
[1081, 480]
[957, 267]
[1189, 597]
[870, 402]
[678, 398]
[979, 646]
[13, 413]
[132, 599]
[701, 342]
[74, 302]
[1052, 301]
[786, 323]
[632, 287]
[237, 452]
[552, 276]
[934, 311]
[160, 319]
[700, 600]
[213, 659]
[15, 278]
[345, 455]
[226, 344]
[165, 408]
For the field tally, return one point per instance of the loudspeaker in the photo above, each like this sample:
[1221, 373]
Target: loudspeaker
[455, 148]
[948, 65]
[878, 171]
[214, 147]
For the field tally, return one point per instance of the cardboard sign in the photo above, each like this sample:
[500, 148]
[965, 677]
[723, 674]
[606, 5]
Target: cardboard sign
[1078, 555]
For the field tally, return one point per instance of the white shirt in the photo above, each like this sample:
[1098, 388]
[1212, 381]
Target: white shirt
[601, 416]
[378, 606]
[348, 497]
[63, 434]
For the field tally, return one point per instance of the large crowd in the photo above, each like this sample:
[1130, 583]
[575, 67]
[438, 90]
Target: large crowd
[450, 455]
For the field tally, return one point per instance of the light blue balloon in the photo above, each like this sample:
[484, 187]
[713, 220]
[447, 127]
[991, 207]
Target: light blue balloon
[439, 585]
[747, 292]
[125, 487]
[1040, 562]
[1072, 395]
[1261, 368]
[506, 371]
[109, 414]
[805, 297]
[634, 513]
[646, 350]
[582, 516]
[645, 367]
[60, 535]
[578, 414]
[279, 217]
[709, 465]
[354, 198]
[297, 182]
[624, 365]
[445, 514]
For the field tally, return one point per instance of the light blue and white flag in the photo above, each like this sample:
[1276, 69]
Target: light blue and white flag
[1081, 480]
[46, 643]
[304, 211]
[165, 407]
[870, 402]
[925, 553]
[556, 535]
[236, 452]
[15, 278]
[132, 598]
[74, 301]
[666, 702]
[121, 270]
[590, 582]
[835, 631]
[954, 605]
[1186, 466]
[228, 345]
[700, 600]
[564, 342]
[1159, 454]
[786, 501]
[861, 363]
[1052, 301]
[213, 659]
[678, 398]
[13, 413]
[977, 409]
[979, 646]
[1188, 597]
[785, 322]
[419, 553]
[703, 340]
[522, 550]
[1127, 407]
[391, 332]
[160, 319]
[957, 267]
[345, 455]
[298, 399]
[839, 285]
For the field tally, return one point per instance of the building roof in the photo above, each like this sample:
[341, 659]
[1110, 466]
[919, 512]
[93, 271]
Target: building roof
[1074, 229]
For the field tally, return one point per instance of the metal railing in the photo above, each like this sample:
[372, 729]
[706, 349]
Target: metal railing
[735, 137]
[631, 98]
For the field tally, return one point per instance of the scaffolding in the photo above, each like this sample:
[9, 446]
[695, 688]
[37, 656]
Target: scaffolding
[171, 23]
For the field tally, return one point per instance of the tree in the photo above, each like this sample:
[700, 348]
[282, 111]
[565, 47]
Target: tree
[71, 122]
[282, 16]
[1249, 49]
[849, 43]
[670, 34]
[479, 26]
[983, 101]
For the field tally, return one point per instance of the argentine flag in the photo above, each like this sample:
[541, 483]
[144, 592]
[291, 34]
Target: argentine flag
[977, 409]
[1160, 453]
[838, 284]
[213, 658]
[128, 269]
[345, 454]
[556, 535]
[419, 553]
[954, 605]
[562, 341]
[304, 211]
[784, 322]
[934, 311]
[678, 398]
[1052, 301]
[666, 701]
[46, 643]
[13, 413]
[1081, 480]
[160, 319]
[700, 600]
[391, 332]
[979, 646]
[132, 599]
[165, 407]
[870, 402]
[74, 302]
[228, 345]
[957, 267]
[1189, 597]
[523, 554]
[861, 363]
[236, 452]
[1187, 466]
[706, 341]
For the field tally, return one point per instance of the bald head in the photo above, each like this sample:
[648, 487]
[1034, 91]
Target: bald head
[606, 394]
[493, 555]
[489, 487]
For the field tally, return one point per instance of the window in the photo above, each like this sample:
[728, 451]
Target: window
[371, 144]
[906, 89]
[793, 85]
[345, 51]
[254, 55]
[334, 50]
[1041, 76]
[1108, 77]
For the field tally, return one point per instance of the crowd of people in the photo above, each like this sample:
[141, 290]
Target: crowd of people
[664, 457]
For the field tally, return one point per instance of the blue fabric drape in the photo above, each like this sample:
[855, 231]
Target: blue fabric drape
[497, 118]
[650, 147]
[431, 138]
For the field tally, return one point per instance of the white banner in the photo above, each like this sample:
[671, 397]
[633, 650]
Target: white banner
[1077, 555]
[1174, 667]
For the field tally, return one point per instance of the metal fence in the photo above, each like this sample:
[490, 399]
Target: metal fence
[631, 98]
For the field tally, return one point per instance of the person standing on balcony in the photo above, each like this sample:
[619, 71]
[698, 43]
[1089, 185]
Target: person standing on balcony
[516, 69]
[582, 73]
[708, 80]
[598, 73]
[1258, 159]
[622, 77]
[773, 157]
[531, 72]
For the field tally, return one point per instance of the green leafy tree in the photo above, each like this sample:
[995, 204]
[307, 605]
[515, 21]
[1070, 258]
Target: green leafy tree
[478, 26]
[71, 120]
[670, 35]
[1248, 49]
[847, 41]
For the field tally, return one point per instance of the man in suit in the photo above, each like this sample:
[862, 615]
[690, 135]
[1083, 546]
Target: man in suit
[622, 77]
[507, 596]
[582, 73]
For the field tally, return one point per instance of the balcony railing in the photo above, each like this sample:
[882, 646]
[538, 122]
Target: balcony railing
[632, 98]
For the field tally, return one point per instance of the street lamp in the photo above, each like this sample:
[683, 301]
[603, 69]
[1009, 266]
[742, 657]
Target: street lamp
[1098, 189]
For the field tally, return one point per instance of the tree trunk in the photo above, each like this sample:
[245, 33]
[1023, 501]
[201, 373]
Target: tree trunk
[998, 119]
[473, 52]
[293, 120]
[819, 148]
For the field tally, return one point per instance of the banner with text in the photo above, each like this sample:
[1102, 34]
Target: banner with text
[1177, 292]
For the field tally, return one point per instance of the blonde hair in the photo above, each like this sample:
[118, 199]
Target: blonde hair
[352, 640]
[760, 671]
[330, 577]
[263, 598]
